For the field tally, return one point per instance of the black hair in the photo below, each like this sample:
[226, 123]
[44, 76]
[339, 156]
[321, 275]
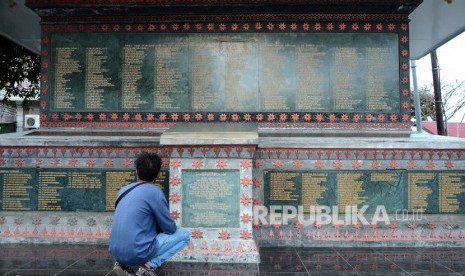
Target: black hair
[147, 166]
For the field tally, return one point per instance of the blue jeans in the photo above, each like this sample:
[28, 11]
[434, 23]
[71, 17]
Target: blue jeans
[170, 244]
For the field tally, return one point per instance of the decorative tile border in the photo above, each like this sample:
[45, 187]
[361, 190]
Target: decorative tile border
[213, 243]
[107, 156]
[434, 158]
[49, 227]
[91, 227]
[73, 156]
[415, 230]
[359, 154]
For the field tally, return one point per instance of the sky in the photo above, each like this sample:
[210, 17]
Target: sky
[451, 57]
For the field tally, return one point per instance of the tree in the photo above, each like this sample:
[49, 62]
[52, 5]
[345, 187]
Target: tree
[427, 103]
[453, 97]
[19, 72]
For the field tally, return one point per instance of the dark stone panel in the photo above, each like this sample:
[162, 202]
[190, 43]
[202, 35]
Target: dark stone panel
[66, 189]
[346, 72]
[210, 198]
[399, 191]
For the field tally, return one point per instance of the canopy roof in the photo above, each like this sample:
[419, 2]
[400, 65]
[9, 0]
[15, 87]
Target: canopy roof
[433, 22]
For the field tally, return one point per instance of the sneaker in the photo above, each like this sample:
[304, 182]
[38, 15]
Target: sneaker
[123, 270]
[146, 271]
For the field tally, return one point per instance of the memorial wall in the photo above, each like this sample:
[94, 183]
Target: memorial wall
[274, 77]
[297, 71]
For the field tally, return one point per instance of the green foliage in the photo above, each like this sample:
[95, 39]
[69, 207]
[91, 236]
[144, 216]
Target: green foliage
[427, 104]
[19, 72]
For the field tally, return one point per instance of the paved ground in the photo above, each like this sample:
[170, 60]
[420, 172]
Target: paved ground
[95, 260]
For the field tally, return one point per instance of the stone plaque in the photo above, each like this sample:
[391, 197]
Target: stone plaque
[423, 192]
[136, 79]
[113, 182]
[61, 190]
[210, 198]
[225, 72]
[341, 188]
[298, 188]
[65, 189]
[428, 192]
[18, 191]
[372, 189]
[171, 77]
[452, 192]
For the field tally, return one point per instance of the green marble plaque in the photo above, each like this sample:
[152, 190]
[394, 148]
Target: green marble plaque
[65, 189]
[428, 192]
[337, 188]
[452, 192]
[225, 72]
[373, 189]
[423, 192]
[210, 198]
[18, 189]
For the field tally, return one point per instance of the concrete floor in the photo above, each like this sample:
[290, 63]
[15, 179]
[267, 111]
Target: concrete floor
[18, 259]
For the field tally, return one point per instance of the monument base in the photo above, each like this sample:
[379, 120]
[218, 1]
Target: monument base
[428, 169]
[404, 230]
[231, 251]
[211, 192]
